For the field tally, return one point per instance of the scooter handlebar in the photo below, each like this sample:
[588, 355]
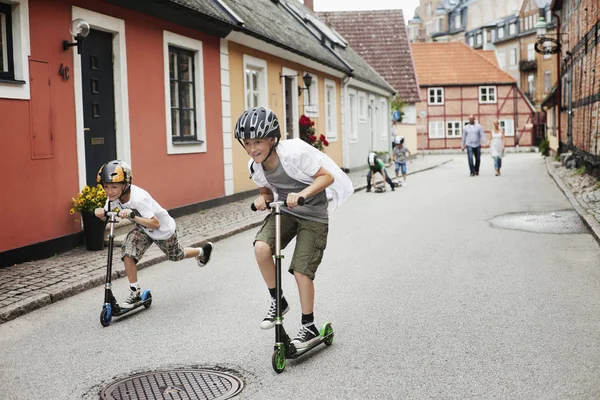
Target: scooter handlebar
[300, 203]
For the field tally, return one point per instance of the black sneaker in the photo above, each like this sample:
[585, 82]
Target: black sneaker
[134, 298]
[307, 335]
[269, 321]
[204, 257]
[368, 190]
[393, 188]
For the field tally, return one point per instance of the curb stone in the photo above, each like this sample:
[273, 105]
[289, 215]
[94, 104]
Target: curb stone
[588, 219]
[69, 289]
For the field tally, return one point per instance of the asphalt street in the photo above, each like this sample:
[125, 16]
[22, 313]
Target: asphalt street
[427, 299]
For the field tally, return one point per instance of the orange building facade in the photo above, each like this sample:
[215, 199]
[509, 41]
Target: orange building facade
[63, 114]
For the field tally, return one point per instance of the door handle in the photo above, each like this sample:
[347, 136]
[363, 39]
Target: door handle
[86, 129]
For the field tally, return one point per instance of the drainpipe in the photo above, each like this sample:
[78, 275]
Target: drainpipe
[345, 137]
[558, 83]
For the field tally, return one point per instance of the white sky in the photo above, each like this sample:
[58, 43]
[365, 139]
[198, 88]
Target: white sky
[407, 6]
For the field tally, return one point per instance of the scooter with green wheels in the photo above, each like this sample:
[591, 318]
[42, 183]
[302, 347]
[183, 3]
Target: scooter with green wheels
[284, 348]
[111, 307]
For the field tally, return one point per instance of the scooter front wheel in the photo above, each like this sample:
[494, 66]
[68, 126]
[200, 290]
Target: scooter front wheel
[105, 316]
[278, 359]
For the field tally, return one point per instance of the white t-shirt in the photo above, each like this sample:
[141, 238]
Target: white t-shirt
[301, 162]
[143, 203]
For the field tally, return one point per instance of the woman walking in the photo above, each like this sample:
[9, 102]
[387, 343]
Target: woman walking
[497, 146]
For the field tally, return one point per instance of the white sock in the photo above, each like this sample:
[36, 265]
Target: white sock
[134, 286]
[201, 252]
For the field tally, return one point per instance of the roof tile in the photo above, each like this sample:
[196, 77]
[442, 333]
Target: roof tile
[380, 38]
[455, 63]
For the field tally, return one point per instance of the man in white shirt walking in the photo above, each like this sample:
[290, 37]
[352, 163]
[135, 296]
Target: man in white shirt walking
[473, 139]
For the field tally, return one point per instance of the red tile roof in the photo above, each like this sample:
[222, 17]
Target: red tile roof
[455, 63]
[381, 39]
[489, 55]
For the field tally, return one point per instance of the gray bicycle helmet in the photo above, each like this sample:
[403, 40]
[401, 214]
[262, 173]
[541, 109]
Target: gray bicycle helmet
[257, 123]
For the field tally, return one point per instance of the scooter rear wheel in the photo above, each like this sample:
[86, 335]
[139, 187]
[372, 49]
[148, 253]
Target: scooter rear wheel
[147, 298]
[278, 359]
[327, 330]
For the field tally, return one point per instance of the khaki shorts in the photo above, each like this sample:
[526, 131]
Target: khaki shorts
[137, 242]
[311, 240]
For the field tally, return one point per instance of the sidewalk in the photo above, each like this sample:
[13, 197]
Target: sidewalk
[29, 286]
[583, 193]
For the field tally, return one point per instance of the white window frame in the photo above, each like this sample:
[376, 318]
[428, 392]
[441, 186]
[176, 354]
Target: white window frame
[471, 40]
[512, 28]
[547, 81]
[457, 21]
[479, 39]
[195, 46]
[330, 110]
[508, 125]
[513, 57]
[362, 107]
[531, 52]
[384, 118]
[21, 53]
[501, 59]
[436, 130]
[353, 115]
[453, 129]
[312, 109]
[500, 32]
[488, 92]
[259, 65]
[435, 96]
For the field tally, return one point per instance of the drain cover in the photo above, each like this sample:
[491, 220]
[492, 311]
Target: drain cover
[566, 221]
[193, 384]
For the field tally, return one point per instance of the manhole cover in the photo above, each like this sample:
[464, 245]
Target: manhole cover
[566, 221]
[192, 384]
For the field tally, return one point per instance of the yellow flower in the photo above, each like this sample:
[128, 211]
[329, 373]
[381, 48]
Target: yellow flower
[99, 205]
[86, 189]
[72, 211]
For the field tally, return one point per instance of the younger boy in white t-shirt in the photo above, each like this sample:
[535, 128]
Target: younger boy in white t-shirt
[153, 224]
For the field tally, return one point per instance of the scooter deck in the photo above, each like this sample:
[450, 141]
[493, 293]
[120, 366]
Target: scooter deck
[123, 310]
[300, 352]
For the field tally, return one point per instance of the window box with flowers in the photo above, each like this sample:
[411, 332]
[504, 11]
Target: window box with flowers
[86, 202]
[309, 135]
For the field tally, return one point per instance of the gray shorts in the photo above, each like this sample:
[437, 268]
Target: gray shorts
[137, 242]
[311, 241]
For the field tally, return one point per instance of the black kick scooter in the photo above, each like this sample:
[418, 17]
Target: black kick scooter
[284, 348]
[111, 308]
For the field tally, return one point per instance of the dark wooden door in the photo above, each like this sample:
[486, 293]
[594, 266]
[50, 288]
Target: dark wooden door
[98, 102]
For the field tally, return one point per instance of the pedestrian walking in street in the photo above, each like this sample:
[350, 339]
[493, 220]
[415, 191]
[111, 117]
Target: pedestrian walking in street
[153, 224]
[473, 139]
[289, 170]
[400, 156]
[376, 165]
[497, 145]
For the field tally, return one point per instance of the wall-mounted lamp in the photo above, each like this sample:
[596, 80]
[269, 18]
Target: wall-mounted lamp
[79, 30]
[546, 44]
[307, 82]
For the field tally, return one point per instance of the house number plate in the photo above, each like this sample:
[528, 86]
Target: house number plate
[97, 140]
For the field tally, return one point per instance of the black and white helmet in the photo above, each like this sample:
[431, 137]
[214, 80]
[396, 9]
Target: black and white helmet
[257, 123]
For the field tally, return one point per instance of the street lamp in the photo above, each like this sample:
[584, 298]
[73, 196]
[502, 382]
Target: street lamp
[546, 44]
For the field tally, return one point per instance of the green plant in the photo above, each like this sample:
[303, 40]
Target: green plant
[544, 148]
[398, 104]
[580, 170]
[88, 199]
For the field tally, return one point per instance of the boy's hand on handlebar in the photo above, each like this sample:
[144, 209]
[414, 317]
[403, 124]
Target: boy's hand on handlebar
[100, 212]
[260, 203]
[126, 213]
[292, 200]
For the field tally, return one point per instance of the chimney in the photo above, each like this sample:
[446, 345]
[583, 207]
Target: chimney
[310, 5]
